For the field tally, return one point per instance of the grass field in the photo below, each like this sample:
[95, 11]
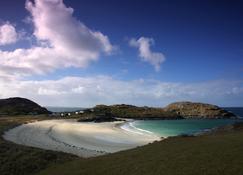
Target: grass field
[219, 153]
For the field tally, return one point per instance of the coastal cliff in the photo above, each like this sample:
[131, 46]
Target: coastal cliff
[20, 106]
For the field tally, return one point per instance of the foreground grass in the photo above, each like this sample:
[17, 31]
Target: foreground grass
[220, 153]
[21, 160]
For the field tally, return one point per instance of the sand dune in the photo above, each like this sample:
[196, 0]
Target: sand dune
[82, 139]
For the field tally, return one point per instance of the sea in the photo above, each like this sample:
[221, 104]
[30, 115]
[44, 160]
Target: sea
[166, 128]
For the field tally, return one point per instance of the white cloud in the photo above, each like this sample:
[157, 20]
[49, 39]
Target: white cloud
[89, 91]
[144, 44]
[63, 42]
[8, 34]
[54, 23]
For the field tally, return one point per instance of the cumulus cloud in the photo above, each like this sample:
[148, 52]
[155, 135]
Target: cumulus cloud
[54, 23]
[89, 91]
[63, 41]
[144, 46]
[8, 34]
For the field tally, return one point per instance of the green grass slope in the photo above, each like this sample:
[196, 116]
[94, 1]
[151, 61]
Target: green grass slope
[220, 153]
[20, 106]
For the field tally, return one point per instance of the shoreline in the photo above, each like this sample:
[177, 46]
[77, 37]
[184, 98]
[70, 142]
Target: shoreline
[128, 126]
[84, 139]
[81, 139]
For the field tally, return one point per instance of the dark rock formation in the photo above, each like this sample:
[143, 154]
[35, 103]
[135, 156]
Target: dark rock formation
[98, 117]
[20, 106]
[198, 110]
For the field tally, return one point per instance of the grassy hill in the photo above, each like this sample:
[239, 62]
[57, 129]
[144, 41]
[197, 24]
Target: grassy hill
[20, 106]
[178, 110]
[130, 111]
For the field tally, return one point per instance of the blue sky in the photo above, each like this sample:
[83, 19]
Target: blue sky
[181, 50]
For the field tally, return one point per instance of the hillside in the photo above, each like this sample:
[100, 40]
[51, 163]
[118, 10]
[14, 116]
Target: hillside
[178, 110]
[20, 106]
[130, 111]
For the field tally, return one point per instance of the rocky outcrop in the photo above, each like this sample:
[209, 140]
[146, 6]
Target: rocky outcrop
[135, 112]
[178, 110]
[20, 106]
[198, 110]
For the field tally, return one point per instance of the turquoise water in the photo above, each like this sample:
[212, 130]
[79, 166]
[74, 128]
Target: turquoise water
[165, 128]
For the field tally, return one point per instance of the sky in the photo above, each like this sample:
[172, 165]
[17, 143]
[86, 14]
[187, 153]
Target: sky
[149, 52]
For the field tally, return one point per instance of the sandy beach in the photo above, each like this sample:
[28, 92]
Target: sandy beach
[82, 139]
